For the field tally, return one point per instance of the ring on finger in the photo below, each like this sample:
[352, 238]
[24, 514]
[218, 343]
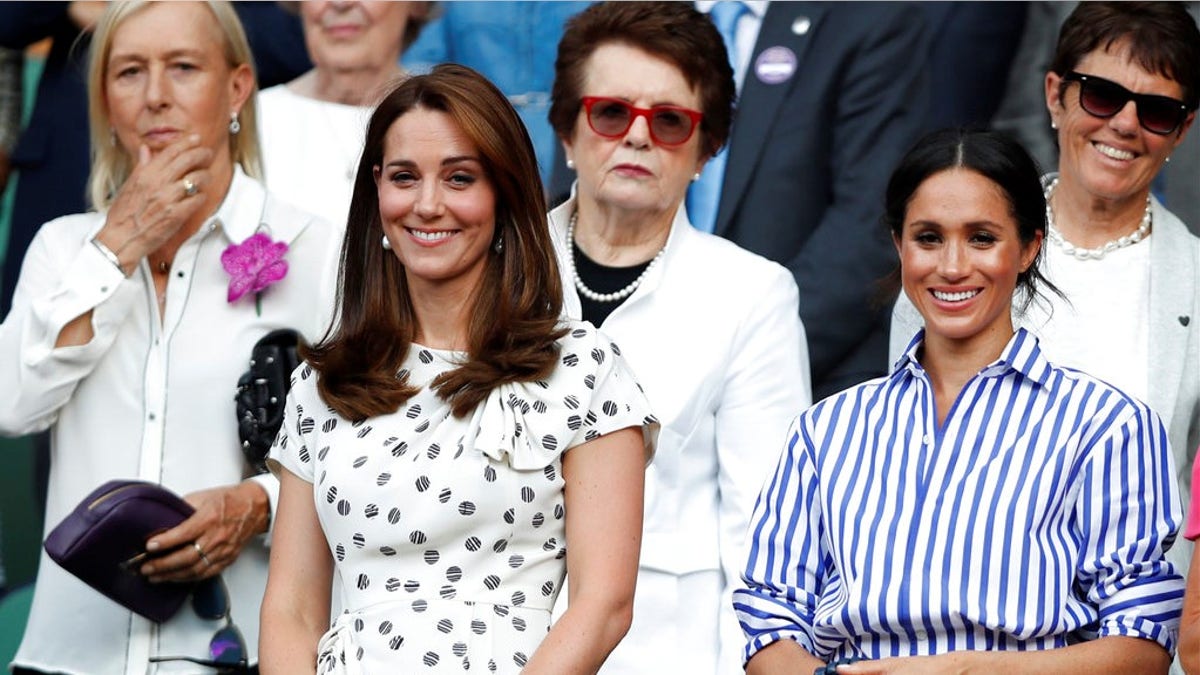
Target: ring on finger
[189, 187]
[196, 545]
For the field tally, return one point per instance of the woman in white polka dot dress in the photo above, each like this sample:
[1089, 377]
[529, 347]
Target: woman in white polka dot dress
[452, 434]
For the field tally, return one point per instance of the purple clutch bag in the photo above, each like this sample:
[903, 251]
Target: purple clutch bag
[103, 543]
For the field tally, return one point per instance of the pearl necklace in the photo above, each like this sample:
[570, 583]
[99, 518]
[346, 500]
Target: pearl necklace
[588, 293]
[1099, 252]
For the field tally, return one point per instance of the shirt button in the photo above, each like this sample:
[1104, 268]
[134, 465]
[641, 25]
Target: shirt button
[151, 417]
[104, 289]
[927, 440]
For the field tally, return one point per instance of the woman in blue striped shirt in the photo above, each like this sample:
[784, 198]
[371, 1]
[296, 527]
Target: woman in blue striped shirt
[978, 510]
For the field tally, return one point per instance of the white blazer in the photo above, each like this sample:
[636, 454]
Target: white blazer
[713, 335]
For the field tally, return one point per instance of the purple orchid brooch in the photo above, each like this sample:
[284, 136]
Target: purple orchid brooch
[253, 265]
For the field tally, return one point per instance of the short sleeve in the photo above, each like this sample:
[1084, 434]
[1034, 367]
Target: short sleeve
[290, 449]
[590, 393]
[617, 400]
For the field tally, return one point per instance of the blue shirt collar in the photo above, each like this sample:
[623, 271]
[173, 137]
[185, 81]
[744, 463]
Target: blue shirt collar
[1022, 354]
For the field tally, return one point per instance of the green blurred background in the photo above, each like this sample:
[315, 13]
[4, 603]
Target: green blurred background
[20, 519]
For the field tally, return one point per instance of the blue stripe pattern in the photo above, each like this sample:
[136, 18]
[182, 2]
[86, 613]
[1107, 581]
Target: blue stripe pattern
[1037, 516]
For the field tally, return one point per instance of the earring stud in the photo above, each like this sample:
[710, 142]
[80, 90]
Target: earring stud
[387, 244]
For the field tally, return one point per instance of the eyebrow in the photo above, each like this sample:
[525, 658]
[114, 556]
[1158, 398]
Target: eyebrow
[457, 159]
[969, 224]
[661, 102]
[137, 56]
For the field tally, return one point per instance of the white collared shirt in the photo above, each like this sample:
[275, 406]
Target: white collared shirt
[147, 400]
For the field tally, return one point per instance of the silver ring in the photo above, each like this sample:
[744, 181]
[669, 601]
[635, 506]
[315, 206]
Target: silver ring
[199, 550]
[189, 189]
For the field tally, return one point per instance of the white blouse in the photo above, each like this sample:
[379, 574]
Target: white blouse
[311, 150]
[149, 400]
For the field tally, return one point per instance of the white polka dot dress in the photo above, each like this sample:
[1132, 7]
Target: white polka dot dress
[449, 533]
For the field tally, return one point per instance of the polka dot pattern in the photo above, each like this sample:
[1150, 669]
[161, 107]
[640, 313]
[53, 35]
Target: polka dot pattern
[449, 534]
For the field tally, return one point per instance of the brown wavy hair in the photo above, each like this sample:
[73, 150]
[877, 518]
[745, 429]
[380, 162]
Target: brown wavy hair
[514, 324]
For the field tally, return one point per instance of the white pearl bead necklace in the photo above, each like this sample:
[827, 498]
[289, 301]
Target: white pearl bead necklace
[1097, 253]
[593, 295]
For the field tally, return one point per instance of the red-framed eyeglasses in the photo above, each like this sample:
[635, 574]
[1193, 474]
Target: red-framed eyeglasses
[669, 125]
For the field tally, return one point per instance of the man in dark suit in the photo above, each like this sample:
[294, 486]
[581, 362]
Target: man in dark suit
[833, 94]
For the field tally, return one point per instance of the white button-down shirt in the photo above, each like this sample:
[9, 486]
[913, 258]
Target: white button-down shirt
[147, 400]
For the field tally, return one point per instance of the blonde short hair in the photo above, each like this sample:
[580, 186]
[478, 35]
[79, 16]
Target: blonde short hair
[111, 165]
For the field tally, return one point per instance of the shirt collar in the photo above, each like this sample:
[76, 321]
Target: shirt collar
[243, 212]
[1022, 354]
[757, 7]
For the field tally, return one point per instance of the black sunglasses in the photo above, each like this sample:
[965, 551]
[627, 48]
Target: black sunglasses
[227, 648]
[1103, 98]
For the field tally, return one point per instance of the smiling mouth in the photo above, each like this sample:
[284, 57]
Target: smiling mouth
[424, 235]
[957, 296]
[1109, 151]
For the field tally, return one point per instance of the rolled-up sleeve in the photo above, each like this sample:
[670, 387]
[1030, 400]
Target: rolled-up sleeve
[1128, 514]
[786, 562]
[63, 277]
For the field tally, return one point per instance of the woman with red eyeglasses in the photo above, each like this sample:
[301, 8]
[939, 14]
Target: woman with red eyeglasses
[1122, 92]
[642, 99]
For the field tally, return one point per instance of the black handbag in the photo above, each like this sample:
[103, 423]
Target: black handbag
[262, 391]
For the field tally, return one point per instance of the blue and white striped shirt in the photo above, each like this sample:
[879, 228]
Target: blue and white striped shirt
[1036, 517]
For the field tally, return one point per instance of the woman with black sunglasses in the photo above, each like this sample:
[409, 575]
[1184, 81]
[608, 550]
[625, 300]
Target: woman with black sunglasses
[642, 100]
[1122, 92]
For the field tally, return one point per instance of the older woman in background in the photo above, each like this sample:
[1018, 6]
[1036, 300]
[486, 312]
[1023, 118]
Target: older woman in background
[126, 337]
[1122, 92]
[312, 127]
[642, 98]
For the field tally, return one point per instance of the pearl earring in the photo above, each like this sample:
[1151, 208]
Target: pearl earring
[695, 176]
[387, 244]
[570, 164]
[1053, 124]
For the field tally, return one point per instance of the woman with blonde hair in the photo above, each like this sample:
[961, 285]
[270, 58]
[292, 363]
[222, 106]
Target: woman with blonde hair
[131, 324]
